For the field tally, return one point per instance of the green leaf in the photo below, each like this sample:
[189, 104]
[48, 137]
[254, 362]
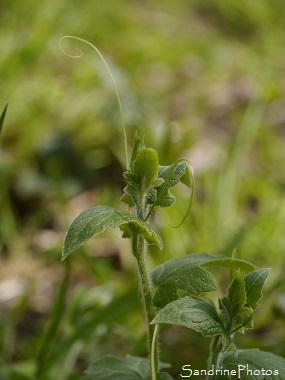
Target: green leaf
[138, 145]
[252, 364]
[227, 262]
[2, 117]
[236, 295]
[145, 168]
[171, 175]
[242, 298]
[142, 178]
[181, 274]
[98, 219]
[254, 282]
[110, 368]
[195, 313]
[129, 368]
[237, 315]
[188, 274]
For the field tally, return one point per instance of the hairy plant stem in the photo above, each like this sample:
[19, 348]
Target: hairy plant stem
[215, 353]
[139, 247]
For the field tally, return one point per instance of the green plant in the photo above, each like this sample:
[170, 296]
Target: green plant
[175, 292]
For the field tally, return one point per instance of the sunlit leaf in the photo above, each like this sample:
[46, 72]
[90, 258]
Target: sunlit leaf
[236, 295]
[238, 316]
[142, 178]
[98, 219]
[195, 313]
[188, 274]
[181, 274]
[254, 282]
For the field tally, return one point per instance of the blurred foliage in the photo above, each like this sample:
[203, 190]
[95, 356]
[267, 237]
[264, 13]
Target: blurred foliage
[200, 80]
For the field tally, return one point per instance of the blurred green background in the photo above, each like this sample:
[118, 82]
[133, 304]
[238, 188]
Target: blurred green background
[203, 80]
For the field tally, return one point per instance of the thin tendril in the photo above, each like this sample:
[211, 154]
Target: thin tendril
[112, 78]
[240, 327]
[192, 181]
[167, 178]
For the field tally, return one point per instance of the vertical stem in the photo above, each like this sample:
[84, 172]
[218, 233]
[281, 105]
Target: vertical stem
[215, 353]
[138, 247]
[154, 354]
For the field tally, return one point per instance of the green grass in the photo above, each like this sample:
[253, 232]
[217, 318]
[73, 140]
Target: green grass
[197, 83]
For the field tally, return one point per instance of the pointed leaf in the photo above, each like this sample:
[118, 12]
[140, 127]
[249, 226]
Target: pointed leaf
[188, 274]
[237, 313]
[2, 117]
[181, 274]
[252, 364]
[131, 191]
[145, 168]
[236, 295]
[138, 145]
[254, 282]
[195, 313]
[98, 219]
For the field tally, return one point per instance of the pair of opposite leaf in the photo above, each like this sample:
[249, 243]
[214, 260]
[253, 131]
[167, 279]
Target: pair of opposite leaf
[187, 275]
[148, 186]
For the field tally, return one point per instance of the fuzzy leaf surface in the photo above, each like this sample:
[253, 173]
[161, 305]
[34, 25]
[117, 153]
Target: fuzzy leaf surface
[254, 282]
[142, 178]
[238, 316]
[138, 145]
[173, 174]
[129, 368]
[98, 219]
[188, 274]
[195, 313]
[181, 274]
[145, 168]
[256, 361]
[236, 295]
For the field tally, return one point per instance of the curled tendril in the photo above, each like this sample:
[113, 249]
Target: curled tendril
[112, 78]
[192, 181]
